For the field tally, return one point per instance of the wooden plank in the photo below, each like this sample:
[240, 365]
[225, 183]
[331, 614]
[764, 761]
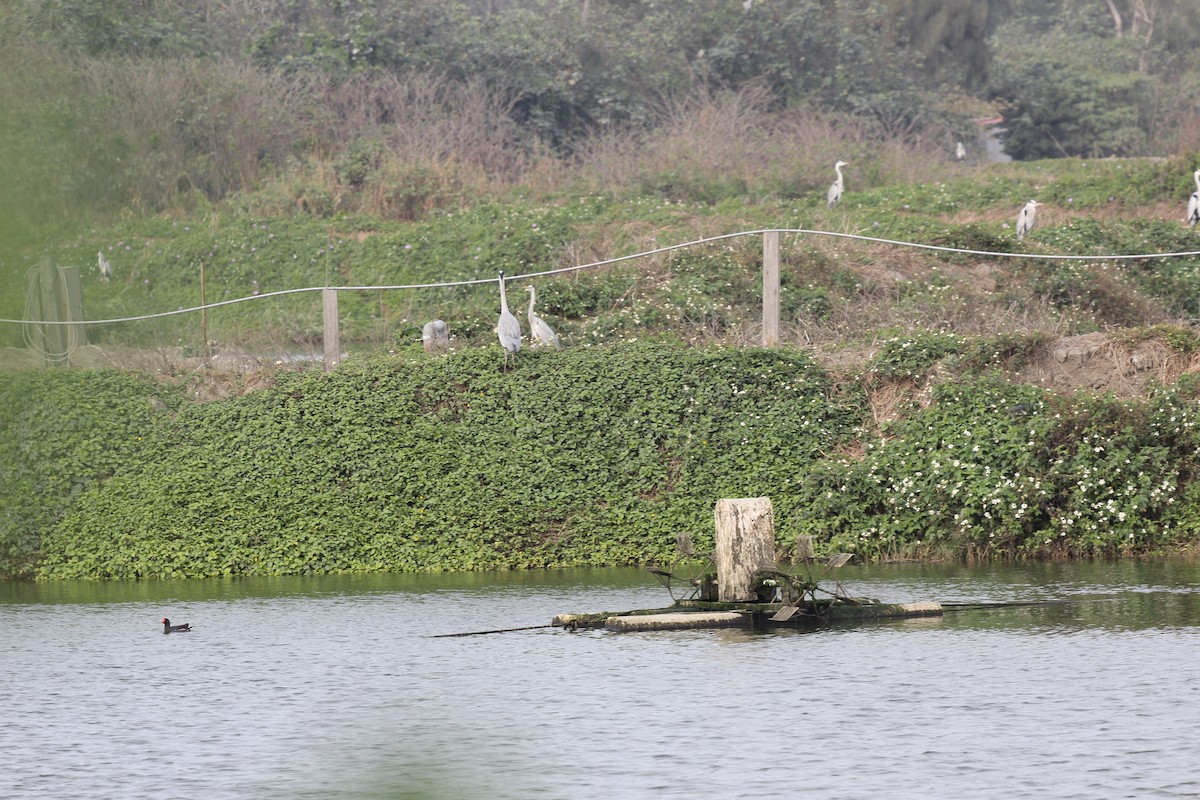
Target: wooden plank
[784, 614]
[840, 612]
[680, 620]
[598, 618]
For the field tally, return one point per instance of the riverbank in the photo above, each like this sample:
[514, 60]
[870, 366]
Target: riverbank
[595, 456]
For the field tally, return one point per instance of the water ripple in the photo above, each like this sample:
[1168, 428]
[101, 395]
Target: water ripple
[316, 688]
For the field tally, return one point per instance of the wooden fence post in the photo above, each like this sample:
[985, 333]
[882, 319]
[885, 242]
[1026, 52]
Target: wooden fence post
[770, 312]
[745, 544]
[331, 335]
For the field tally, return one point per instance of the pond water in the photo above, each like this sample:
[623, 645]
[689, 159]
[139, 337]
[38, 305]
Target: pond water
[334, 687]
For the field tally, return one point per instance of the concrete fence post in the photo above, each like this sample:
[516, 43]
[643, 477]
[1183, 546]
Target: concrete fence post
[331, 334]
[770, 312]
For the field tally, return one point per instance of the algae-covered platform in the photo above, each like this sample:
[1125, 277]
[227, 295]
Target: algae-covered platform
[687, 614]
[747, 589]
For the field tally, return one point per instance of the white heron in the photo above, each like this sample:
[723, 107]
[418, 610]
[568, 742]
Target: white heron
[835, 191]
[105, 267]
[539, 330]
[1193, 216]
[435, 336]
[508, 330]
[960, 152]
[1025, 218]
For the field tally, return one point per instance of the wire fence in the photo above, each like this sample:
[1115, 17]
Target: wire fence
[80, 324]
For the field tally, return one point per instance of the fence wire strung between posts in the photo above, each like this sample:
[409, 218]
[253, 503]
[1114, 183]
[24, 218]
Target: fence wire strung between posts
[310, 331]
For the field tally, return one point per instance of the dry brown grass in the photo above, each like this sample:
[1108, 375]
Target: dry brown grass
[202, 131]
[740, 137]
[887, 401]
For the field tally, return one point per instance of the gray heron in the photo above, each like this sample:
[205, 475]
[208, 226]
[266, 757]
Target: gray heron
[835, 191]
[508, 330]
[539, 330]
[960, 152]
[1025, 219]
[105, 267]
[435, 336]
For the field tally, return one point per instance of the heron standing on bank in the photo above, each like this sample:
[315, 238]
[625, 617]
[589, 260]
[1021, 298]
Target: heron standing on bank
[435, 336]
[539, 330]
[1025, 219]
[835, 191]
[960, 152]
[105, 267]
[508, 330]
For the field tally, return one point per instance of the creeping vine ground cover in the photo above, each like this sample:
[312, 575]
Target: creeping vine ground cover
[591, 456]
[992, 468]
[61, 432]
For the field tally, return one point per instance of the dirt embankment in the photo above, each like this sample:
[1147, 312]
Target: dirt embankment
[1095, 362]
[1092, 362]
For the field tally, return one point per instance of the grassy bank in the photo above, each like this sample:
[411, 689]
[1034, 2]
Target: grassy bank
[897, 364]
[585, 457]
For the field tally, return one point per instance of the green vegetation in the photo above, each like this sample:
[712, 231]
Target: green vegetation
[223, 150]
[61, 433]
[591, 456]
[995, 468]
[832, 290]
[602, 453]
[399, 107]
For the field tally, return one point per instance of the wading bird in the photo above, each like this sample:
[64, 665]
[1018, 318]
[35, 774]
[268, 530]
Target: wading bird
[508, 330]
[960, 152]
[435, 336]
[835, 191]
[169, 628]
[1025, 219]
[539, 330]
[1194, 202]
[105, 268]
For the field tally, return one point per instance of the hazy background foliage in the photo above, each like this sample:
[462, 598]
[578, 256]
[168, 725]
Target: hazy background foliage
[164, 105]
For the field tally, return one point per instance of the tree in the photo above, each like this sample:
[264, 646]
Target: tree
[1070, 95]
[1138, 19]
[950, 36]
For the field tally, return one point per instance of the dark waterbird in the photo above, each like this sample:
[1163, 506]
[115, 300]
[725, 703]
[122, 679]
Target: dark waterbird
[169, 628]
